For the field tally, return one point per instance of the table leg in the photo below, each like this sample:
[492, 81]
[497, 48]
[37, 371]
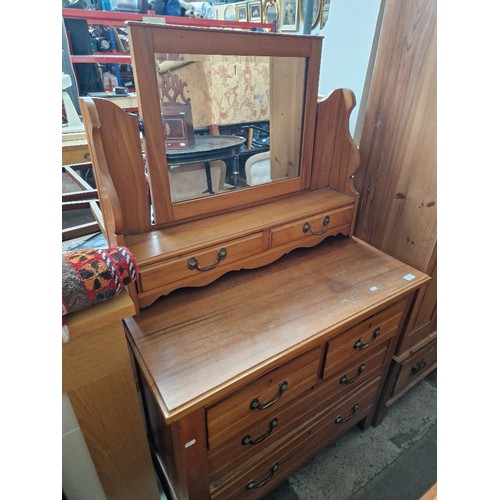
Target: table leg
[236, 171]
[208, 173]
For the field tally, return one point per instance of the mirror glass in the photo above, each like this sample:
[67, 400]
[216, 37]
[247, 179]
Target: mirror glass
[227, 121]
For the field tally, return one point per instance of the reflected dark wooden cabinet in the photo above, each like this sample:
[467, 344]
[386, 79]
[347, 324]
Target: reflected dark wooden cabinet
[264, 329]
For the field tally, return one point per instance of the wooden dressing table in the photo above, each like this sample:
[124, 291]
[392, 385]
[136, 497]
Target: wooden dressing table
[264, 330]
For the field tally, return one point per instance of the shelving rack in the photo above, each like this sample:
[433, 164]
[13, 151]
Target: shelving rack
[114, 19]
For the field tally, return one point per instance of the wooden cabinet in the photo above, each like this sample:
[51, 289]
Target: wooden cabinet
[245, 375]
[263, 368]
[397, 177]
[98, 378]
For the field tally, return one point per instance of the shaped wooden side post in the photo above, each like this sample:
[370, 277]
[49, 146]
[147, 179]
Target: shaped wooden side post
[115, 149]
[334, 148]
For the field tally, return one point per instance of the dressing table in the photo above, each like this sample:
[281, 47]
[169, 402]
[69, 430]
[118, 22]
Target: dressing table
[263, 329]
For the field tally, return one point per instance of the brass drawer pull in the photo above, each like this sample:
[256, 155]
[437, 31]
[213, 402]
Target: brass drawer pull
[347, 381]
[418, 367]
[307, 227]
[252, 485]
[340, 420]
[193, 261]
[256, 405]
[359, 345]
[248, 440]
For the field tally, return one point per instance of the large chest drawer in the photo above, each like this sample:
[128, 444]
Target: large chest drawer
[320, 225]
[260, 400]
[350, 348]
[255, 437]
[269, 468]
[197, 263]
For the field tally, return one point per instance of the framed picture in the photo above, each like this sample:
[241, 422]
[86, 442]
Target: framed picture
[271, 11]
[241, 12]
[289, 15]
[317, 5]
[323, 18]
[230, 13]
[255, 11]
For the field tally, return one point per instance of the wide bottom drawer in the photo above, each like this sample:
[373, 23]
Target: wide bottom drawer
[267, 470]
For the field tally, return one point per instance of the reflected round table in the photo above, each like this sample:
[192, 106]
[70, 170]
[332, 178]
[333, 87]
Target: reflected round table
[206, 149]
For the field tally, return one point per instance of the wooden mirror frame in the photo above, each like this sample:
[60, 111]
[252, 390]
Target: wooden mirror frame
[146, 40]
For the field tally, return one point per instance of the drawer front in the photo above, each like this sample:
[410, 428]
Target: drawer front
[267, 470]
[349, 348]
[201, 262]
[263, 434]
[259, 400]
[417, 365]
[314, 227]
[350, 378]
[75, 154]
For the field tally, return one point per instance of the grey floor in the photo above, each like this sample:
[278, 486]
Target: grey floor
[395, 461]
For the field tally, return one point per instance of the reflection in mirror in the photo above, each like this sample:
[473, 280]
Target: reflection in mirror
[271, 11]
[227, 121]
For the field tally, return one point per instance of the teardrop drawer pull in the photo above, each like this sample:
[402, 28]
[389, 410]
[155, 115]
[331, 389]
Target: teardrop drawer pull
[252, 485]
[256, 405]
[418, 367]
[347, 381]
[340, 420]
[307, 227]
[248, 440]
[359, 345]
[193, 261]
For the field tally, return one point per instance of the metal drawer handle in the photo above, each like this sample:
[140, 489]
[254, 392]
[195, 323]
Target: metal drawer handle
[418, 367]
[307, 227]
[248, 440]
[347, 381]
[359, 345]
[252, 485]
[193, 261]
[340, 420]
[256, 405]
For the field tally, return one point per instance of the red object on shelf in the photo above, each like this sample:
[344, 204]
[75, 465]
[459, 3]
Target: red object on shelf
[103, 59]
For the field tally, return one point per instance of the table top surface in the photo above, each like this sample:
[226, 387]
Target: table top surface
[207, 147]
[196, 341]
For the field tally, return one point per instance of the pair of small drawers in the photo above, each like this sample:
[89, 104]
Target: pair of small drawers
[216, 258]
[266, 417]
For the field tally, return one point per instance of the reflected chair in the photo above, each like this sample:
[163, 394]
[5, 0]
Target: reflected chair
[258, 169]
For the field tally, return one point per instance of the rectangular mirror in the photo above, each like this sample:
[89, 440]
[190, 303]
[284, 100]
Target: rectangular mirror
[198, 91]
[232, 119]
